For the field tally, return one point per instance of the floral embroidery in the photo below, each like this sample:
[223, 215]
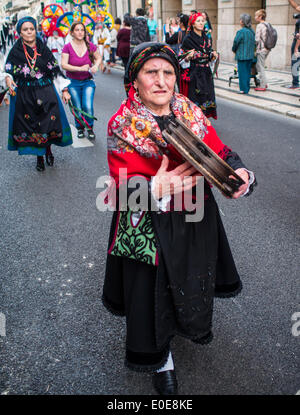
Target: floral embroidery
[142, 128]
[134, 127]
[25, 70]
[8, 66]
[27, 116]
[53, 118]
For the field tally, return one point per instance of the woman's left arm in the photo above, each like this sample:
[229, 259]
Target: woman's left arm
[97, 62]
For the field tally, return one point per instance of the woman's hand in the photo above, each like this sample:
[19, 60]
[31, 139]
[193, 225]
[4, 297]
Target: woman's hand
[245, 176]
[84, 68]
[11, 85]
[190, 55]
[215, 54]
[172, 182]
[66, 96]
[94, 69]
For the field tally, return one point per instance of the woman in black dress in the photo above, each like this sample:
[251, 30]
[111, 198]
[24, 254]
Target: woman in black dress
[196, 81]
[37, 118]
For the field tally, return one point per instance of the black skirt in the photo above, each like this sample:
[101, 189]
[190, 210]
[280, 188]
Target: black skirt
[175, 297]
[202, 90]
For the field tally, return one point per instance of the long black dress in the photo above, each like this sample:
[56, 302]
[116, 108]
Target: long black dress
[176, 296]
[196, 82]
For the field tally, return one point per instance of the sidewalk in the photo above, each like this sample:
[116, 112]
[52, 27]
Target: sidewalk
[278, 98]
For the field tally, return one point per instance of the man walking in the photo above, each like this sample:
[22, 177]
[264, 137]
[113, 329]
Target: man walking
[139, 29]
[261, 51]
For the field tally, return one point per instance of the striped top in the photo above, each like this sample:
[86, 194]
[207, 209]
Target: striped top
[244, 44]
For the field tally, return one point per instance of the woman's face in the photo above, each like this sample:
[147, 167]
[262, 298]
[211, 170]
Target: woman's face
[155, 83]
[199, 23]
[28, 32]
[78, 32]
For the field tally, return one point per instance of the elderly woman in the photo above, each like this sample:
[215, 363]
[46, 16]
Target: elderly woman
[244, 47]
[37, 118]
[162, 272]
[196, 78]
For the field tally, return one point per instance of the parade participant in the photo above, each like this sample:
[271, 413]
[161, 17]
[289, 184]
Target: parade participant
[123, 38]
[196, 80]
[244, 48]
[37, 118]
[103, 39]
[162, 271]
[56, 43]
[81, 59]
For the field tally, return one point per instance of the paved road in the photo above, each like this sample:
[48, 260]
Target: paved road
[59, 338]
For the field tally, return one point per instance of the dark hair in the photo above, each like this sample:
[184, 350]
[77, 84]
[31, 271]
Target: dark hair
[193, 11]
[126, 21]
[140, 12]
[184, 19]
[207, 19]
[118, 21]
[91, 54]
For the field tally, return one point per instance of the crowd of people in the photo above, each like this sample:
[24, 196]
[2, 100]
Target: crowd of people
[162, 272]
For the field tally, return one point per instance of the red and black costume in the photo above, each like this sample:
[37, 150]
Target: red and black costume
[162, 273]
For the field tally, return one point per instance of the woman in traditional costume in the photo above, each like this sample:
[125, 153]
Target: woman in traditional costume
[162, 272]
[37, 118]
[196, 81]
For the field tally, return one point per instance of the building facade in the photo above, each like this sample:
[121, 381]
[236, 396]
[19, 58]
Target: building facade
[224, 16]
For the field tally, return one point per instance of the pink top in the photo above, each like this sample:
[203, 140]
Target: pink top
[76, 60]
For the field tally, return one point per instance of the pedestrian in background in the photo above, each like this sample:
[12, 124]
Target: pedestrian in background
[244, 47]
[207, 26]
[261, 51]
[139, 29]
[113, 41]
[152, 26]
[123, 38]
[37, 118]
[175, 40]
[295, 51]
[81, 59]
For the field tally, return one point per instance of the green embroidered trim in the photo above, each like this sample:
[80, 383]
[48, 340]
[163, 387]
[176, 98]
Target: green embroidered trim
[135, 242]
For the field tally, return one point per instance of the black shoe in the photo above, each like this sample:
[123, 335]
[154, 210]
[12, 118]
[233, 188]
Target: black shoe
[40, 165]
[165, 383]
[50, 159]
[91, 134]
[80, 134]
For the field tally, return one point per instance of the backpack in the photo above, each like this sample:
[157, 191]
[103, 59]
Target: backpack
[271, 36]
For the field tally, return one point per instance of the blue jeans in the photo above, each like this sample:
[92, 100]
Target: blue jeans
[244, 70]
[295, 66]
[82, 93]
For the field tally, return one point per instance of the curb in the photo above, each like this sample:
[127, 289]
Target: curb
[276, 107]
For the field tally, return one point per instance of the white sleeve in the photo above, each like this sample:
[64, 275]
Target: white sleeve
[185, 64]
[162, 204]
[251, 181]
[60, 83]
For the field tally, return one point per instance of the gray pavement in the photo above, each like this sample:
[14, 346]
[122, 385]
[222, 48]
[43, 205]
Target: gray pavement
[59, 339]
